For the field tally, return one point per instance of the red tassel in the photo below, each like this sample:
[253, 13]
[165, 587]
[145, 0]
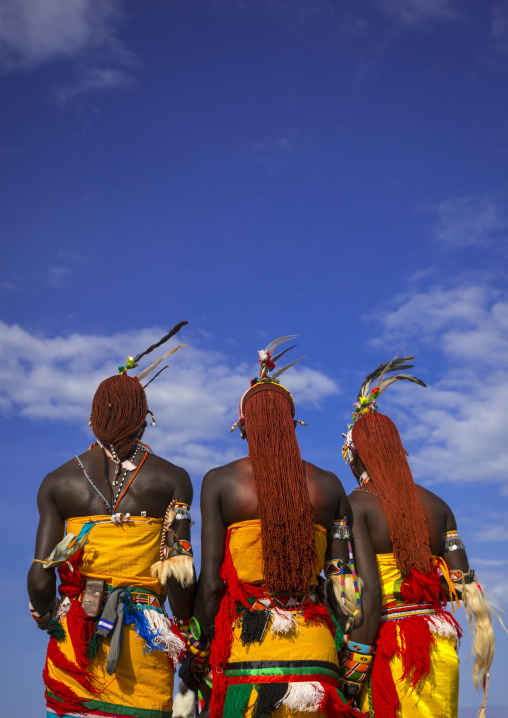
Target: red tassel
[333, 706]
[420, 587]
[80, 629]
[385, 700]
[71, 581]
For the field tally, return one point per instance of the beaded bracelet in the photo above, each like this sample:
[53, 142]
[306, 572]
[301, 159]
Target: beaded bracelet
[354, 665]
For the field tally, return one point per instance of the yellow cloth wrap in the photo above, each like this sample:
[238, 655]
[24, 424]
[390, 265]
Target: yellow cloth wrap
[305, 642]
[142, 686]
[438, 695]
[247, 555]
[120, 554]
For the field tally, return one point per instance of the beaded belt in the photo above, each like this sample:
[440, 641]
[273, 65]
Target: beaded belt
[139, 596]
[286, 602]
[393, 613]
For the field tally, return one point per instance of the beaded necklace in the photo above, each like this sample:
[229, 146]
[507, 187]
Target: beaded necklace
[118, 498]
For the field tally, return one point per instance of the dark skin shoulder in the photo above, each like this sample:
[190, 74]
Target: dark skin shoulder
[371, 527]
[66, 492]
[228, 496]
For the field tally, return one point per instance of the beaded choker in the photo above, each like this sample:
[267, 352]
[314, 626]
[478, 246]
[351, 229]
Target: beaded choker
[368, 491]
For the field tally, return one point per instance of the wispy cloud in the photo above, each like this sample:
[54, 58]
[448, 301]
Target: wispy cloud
[455, 428]
[470, 221]
[35, 32]
[195, 402]
[499, 31]
[98, 79]
[413, 12]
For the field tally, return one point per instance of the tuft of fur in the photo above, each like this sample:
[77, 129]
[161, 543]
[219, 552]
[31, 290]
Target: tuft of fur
[181, 568]
[305, 696]
[441, 626]
[168, 521]
[283, 621]
[165, 637]
[349, 595]
[478, 612]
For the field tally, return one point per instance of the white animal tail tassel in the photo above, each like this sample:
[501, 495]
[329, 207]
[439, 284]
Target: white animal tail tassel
[348, 597]
[283, 621]
[180, 568]
[165, 637]
[304, 696]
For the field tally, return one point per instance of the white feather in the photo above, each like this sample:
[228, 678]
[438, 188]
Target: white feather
[305, 696]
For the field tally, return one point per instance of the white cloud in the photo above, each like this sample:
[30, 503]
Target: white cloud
[195, 401]
[411, 12]
[470, 221]
[455, 430]
[37, 31]
[84, 32]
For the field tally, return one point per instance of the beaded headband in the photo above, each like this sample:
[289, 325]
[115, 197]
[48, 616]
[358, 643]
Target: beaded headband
[368, 395]
[267, 363]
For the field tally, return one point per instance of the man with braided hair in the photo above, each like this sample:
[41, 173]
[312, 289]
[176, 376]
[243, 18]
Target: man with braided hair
[125, 511]
[269, 522]
[409, 536]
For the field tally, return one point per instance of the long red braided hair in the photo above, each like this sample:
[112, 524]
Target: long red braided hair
[119, 410]
[289, 552]
[380, 449]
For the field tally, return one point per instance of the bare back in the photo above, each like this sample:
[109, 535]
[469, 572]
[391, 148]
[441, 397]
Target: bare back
[235, 488]
[66, 492]
[438, 516]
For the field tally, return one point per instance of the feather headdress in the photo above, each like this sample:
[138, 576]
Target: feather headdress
[368, 394]
[133, 362]
[267, 364]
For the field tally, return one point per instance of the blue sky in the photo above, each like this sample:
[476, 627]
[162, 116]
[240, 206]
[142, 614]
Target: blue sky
[335, 170]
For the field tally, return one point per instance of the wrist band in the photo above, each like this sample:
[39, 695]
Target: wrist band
[360, 647]
[194, 627]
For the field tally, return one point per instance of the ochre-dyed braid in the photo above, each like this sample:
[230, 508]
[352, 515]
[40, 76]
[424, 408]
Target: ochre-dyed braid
[289, 552]
[119, 410]
[379, 447]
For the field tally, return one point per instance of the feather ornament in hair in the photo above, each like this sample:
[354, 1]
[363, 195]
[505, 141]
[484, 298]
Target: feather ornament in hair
[146, 372]
[384, 369]
[284, 368]
[164, 339]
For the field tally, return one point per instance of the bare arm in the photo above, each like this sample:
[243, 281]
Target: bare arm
[41, 582]
[213, 536]
[456, 559]
[181, 598]
[366, 568]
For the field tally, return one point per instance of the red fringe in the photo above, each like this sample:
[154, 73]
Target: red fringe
[333, 706]
[71, 581]
[80, 629]
[69, 700]
[414, 644]
[316, 612]
[238, 591]
[385, 700]
[418, 587]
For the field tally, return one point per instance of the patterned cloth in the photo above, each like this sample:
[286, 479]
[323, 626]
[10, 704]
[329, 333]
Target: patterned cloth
[282, 657]
[437, 695]
[142, 684]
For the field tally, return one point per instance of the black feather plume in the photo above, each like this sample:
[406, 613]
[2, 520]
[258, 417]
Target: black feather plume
[164, 339]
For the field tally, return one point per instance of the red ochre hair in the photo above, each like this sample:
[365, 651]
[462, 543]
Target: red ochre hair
[289, 552]
[119, 410]
[380, 449]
